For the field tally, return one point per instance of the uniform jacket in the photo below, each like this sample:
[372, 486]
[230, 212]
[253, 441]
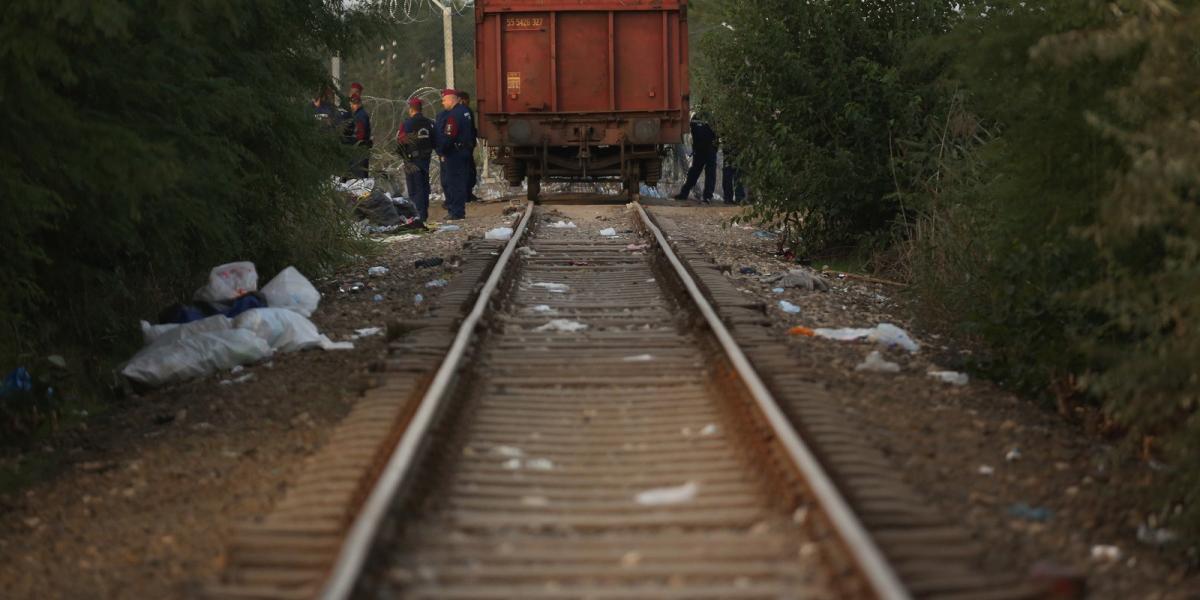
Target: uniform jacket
[362, 128]
[416, 138]
[455, 132]
[704, 139]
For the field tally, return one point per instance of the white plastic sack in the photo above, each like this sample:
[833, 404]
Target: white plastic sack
[282, 329]
[195, 356]
[291, 290]
[502, 234]
[169, 332]
[228, 282]
[885, 334]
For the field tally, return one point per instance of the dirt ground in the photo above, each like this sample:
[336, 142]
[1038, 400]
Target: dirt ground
[1031, 486]
[157, 485]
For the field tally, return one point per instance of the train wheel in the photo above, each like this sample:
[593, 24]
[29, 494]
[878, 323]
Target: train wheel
[535, 189]
[633, 187]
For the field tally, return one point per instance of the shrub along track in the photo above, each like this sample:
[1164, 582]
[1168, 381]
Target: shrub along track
[597, 426]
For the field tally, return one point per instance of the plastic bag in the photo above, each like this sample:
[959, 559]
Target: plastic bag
[291, 290]
[283, 330]
[500, 233]
[170, 332]
[228, 282]
[195, 355]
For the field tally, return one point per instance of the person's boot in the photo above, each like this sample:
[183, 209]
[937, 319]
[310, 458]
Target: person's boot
[680, 196]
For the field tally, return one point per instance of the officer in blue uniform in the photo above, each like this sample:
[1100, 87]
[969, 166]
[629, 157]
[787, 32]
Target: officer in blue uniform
[454, 141]
[416, 146]
[704, 158]
[465, 100]
[358, 133]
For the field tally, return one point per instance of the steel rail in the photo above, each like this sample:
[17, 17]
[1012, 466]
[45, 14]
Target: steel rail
[880, 576]
[357, 545]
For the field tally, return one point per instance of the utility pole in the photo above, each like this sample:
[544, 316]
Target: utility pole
[447, 37]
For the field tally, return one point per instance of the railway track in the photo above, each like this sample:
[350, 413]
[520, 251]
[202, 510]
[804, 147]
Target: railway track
[594, 429]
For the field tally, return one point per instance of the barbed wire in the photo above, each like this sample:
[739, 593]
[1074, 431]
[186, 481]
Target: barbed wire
[415, 11]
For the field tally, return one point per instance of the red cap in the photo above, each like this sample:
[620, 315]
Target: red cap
[355, 99]
[356, 86]
[449, 92]
[415, 103]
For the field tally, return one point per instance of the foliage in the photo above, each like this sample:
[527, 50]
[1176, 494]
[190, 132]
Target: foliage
[829, 91]
[146, 141]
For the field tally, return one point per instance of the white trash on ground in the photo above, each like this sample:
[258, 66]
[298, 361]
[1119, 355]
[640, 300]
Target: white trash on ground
[502, 234]
[667, 496]
[169, 332]
[282, 329]
[553, 288]
[788, 307]
[195, 355]
[544, 308]
[291, 290]
[638, 358]
[951, 377]
[366, 332]
[229, 281]
[610, 232]
[875, 363]
[885, 334]
[377, 271]
[562, 225]
[563, 325]
[449, 227]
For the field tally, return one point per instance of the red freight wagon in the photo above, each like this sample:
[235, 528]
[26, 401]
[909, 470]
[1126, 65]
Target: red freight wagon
[581, 89]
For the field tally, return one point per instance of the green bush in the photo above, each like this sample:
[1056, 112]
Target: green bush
[813, 94]
[146, 141]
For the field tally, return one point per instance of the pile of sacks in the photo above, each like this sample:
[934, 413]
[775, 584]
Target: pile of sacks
[230, 323]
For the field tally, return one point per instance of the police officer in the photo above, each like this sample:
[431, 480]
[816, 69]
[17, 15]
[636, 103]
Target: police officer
[731, 177]
[704, 158]
[358, 133]
[416, 146]
[465, 100]
[454, 140]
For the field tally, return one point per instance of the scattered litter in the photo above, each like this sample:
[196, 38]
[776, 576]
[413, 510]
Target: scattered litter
[57, 360]
[508, 451]
[18, 380]
[449, 227]
[243, 379]
[1021, 510]
[291, 290]
[377, 298]
[168, 332]
[804, 331]
[326, 344]
[1155, 536]
[563, 325]
[377, 271]
[710, 429]
[418, 299]
[392, 239]
[502, 234]
[748, 271]
[885, 334]
[875, 363]
[639, 358]
[539, 464]
[610, 232]
[562, 225]
[1013, 455]
[437, 283]
[951, 377]
[426, 263]
[356, 287]
[366, 332]
[765, 235]
[804, 280]
[1106, 552]
[553, 288]
[512, 464]
[195, 355]
[526, 251]
[282, 329]
[229, 281]
[986, 470]
[543, 308]
[777, 290]
[788, 307]
[667, 496]
[637, 247]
